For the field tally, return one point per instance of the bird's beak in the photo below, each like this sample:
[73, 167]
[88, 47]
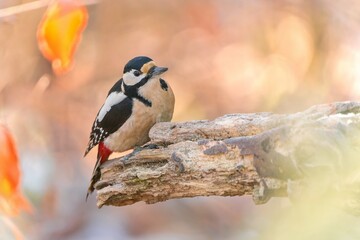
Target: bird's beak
[155, 71]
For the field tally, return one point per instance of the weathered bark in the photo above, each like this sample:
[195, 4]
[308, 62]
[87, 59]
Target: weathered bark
[259, 154]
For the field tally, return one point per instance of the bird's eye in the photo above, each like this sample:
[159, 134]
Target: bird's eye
[137, 73]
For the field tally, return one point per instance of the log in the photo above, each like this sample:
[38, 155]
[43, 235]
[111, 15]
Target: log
[260, 154]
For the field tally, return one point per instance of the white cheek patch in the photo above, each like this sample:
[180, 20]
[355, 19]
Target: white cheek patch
[113, 99]
[130, 79]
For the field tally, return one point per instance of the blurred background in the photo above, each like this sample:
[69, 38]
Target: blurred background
[224, 56]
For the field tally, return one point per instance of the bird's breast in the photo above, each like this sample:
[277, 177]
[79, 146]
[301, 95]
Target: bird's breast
[135, 131]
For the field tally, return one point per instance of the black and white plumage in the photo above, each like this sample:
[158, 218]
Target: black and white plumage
[112, 115]
[133, 105]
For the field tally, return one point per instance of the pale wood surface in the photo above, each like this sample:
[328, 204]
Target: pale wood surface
[260, 154]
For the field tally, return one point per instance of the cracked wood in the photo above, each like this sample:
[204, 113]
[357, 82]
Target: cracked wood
[260, 154]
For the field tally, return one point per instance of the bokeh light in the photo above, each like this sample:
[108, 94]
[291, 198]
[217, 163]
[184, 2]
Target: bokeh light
[224, 56]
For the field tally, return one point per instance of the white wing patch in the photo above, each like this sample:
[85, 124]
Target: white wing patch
[113, 99]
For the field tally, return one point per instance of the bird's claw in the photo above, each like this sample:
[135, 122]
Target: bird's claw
[126, 158]
[150, 146]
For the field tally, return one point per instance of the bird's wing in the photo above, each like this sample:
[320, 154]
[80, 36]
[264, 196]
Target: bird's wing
[112, 115]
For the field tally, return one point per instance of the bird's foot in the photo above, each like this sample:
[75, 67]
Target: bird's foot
[150, 146]
[126, 158]
[94, 179]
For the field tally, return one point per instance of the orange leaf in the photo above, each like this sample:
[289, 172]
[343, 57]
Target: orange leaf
[11, 198]
[59, 32]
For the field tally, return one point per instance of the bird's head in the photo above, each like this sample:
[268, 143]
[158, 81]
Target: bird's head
[141, 69]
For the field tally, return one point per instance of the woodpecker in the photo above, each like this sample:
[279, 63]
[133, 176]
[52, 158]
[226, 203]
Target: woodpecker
[133, 105]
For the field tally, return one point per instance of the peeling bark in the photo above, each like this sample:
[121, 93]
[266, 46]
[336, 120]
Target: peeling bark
[260, 154]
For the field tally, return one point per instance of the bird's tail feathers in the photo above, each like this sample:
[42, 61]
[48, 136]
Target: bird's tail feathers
[89, 147]
[102, 156]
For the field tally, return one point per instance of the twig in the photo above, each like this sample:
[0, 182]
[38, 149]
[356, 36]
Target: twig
[26, 7]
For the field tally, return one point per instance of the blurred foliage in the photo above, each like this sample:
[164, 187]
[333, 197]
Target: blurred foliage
[60, 31]
[224, 56]
[11, 199]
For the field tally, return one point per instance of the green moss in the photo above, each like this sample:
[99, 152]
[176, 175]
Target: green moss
[138, 181]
